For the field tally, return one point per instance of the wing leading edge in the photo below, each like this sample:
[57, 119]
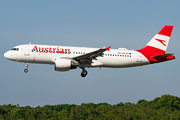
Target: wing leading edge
[91, 56]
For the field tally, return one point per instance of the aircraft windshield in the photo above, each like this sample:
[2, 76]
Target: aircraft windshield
[15, 49]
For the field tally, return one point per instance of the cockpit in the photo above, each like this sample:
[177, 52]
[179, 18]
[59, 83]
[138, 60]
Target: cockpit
[15, 49]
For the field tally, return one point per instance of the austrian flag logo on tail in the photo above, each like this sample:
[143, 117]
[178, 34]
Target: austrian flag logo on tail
[161, 41]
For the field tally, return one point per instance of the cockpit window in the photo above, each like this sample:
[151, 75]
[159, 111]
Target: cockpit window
[15, 49]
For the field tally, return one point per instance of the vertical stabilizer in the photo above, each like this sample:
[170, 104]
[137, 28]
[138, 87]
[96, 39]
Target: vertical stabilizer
[158, 44]
[161, 39]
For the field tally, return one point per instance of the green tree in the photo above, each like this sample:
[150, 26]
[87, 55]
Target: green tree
[20, 113]
[169, 102]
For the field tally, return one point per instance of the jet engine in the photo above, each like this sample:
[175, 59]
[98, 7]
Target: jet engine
[65, 64]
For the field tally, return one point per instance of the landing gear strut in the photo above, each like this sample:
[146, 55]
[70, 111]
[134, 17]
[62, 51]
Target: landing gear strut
[26, 70]
[84, 72]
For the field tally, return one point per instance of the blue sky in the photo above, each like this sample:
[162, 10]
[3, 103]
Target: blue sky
[95, 23]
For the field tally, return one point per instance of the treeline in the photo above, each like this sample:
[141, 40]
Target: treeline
[161, 108]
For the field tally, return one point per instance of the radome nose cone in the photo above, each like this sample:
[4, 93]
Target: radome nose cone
[6, 55]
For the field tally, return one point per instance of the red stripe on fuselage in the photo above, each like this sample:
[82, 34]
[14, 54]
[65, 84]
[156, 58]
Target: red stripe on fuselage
[149, 52]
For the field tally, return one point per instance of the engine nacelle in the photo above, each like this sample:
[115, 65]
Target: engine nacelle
[65, 64]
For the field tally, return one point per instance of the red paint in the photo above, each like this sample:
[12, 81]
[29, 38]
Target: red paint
[51, 50]
[165, 58]
[67, 51]
[108, 48]
[166, 30]
[61, 51]
[149, 52]
[46, 50]
[161, 41]
[54, 50]
[35, 49]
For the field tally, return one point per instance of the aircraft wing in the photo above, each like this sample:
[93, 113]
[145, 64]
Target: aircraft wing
[90, 56]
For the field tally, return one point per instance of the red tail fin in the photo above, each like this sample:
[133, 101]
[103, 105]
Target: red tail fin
[157, 45]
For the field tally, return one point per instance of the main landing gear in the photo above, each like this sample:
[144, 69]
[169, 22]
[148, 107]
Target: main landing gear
[84, 72]
[26, 70]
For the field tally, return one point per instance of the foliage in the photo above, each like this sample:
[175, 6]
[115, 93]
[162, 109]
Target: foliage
[164, 107]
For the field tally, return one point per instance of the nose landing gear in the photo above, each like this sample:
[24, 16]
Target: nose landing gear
[26, 70]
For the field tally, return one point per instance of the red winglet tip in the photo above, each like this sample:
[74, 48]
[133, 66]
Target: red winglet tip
[108, 48]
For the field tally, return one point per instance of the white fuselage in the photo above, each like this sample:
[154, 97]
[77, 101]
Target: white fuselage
[47, 54]
[65, 58]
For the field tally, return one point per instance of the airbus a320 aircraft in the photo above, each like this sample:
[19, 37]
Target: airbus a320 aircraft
[66, 58]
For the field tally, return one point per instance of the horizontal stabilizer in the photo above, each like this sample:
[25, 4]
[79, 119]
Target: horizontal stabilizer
[163, 56]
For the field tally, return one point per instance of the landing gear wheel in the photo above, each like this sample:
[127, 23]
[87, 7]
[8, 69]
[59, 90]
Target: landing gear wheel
[25, 70]
[84, 73]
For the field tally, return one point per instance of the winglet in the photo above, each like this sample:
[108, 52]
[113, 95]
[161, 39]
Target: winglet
[108, 48]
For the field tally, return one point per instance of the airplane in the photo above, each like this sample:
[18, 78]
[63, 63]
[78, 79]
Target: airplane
[65, 58]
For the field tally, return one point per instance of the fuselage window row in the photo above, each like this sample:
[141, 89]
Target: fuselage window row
[77, 53]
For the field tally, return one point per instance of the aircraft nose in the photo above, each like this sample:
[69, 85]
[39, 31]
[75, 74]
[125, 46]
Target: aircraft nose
[7, 55]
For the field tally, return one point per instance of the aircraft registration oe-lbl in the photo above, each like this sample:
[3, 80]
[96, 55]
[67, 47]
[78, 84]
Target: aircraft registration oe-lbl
[65, 58]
